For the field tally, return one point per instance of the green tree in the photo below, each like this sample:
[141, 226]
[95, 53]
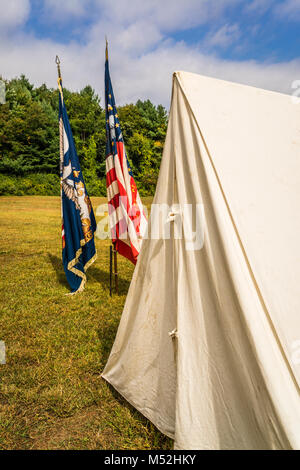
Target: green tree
[29, 138]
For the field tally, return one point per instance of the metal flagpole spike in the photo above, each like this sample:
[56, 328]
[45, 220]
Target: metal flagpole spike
[57, 61]
[106, 48]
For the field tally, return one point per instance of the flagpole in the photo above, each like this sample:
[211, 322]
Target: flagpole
[61, 136]
[116, 270]
[110, 268]
[112, 251]
[61, 129]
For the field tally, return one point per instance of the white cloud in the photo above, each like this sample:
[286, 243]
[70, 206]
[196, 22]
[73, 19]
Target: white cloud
[142, 55]
[167, 15]
[283, 9]
[63, 9]
[259, 6]
[13, 13]
[146, 76]
[289, 9]
[223, 37]
[151, 76]
[137, 27]
[136, 38]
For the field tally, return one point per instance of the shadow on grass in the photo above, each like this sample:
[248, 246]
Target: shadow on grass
[59, 270]
[93, 273]
[106, 335]
[161, 441]
[103, 278]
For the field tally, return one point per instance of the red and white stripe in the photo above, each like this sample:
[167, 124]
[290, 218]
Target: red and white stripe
[127, 219]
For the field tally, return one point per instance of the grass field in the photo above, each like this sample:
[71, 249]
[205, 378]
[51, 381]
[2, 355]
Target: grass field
[51, 392]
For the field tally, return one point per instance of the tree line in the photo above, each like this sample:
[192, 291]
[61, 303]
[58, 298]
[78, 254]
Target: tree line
[29, 139]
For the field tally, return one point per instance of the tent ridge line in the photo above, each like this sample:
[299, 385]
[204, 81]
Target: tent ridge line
[251, 272]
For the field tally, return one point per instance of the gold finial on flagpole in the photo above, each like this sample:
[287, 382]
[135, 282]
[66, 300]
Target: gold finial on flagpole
[106, 49]
[57, 61]
[59, 81]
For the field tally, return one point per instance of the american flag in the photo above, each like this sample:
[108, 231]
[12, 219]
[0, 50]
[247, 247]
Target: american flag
[127, 219]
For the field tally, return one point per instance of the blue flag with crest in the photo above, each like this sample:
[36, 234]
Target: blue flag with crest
[78, 220]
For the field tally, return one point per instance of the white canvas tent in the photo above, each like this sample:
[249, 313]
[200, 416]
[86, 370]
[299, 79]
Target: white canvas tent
[228, 376]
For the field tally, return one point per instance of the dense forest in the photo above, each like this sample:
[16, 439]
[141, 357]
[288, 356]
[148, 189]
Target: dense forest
[29, 140]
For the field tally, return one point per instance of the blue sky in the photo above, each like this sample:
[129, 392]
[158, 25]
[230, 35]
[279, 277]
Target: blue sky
[263, 35]
[254, 42]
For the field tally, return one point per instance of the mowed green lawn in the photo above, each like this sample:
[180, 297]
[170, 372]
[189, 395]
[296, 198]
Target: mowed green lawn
[51, 392]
